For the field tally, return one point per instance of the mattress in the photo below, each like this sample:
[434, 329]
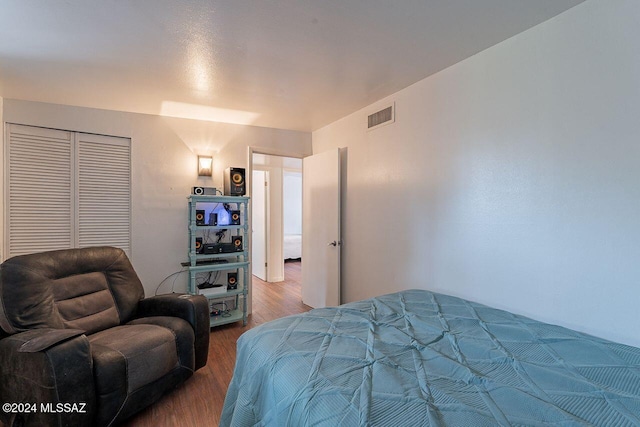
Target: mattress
[292, 246]
[417, 358]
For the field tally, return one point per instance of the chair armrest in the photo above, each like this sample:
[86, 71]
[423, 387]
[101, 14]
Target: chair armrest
[192, 308]
[41, 339]
[46, 367]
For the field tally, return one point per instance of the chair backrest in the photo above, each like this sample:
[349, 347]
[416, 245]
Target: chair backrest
[90, 289]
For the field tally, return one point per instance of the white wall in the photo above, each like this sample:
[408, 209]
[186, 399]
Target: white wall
[511, 178]
[163, 171]
[292, 202]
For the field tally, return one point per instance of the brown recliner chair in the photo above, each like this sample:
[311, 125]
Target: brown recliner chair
[81, 346]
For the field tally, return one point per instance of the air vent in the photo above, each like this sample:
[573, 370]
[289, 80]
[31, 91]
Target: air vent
[382, 117]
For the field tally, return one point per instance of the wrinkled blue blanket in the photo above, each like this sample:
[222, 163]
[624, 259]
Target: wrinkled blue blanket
[417, 358]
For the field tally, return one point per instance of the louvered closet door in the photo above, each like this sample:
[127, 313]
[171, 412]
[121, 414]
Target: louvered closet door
[40, 189]
[66, 190]
[104, 191]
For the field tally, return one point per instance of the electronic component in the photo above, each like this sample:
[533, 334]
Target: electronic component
[207, 285]
[234, 183]
[200, 217]
[234, 216]
[232, 280]
[213, 218]
[223, 248]
[204, 191]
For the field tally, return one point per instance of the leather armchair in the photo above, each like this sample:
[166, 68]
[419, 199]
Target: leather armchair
[80, 345]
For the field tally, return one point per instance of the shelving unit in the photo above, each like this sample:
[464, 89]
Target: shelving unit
[206, 268]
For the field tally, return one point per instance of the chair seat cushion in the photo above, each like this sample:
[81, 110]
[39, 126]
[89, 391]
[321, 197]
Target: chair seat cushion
[183, 333]
[134, 363]
[127, 357]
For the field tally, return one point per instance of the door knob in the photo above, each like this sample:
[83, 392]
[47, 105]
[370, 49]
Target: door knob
[334, 243]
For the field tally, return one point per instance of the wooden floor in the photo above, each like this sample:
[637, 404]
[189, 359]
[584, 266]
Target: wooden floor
[198, 402]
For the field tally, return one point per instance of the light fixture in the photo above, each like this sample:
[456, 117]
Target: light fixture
[205, 166]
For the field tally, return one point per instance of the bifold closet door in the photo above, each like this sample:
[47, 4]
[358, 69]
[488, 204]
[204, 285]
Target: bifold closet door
[104, 191]
[40, 190]
[66, 189]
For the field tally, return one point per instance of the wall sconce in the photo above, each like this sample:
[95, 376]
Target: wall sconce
[205, 166]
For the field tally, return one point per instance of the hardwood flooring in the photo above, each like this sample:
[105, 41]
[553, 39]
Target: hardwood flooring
[198, 402]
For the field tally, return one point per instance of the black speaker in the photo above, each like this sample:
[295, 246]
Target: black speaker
[198, 245]
[204, 191]
[213, 218]
[200, 217]
[232, 280]
[237, 243]
[234, 182]
[234, 217]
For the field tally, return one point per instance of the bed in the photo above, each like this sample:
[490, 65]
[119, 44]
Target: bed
[292, 246]
[419, 358]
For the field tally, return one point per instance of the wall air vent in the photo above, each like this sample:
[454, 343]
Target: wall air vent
[383, 117]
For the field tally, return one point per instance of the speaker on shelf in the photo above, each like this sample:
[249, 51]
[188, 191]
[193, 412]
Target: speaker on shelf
[234, 217]
[200, 217]
[213, 218]
[232, 280]
[237, 243]
[234, 182]
[198, 245]
[204, 191]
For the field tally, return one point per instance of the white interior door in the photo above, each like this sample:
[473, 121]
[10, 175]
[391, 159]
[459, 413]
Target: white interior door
[259, 224]
[321, 242]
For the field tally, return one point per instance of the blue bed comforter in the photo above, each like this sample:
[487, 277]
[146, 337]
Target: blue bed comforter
[418, 358]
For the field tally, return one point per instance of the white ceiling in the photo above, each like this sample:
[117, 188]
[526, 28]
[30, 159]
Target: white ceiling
[289, 64]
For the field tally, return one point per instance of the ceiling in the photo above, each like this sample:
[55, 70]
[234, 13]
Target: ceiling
[288, 64]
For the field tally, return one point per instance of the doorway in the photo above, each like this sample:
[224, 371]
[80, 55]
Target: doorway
[276, 191]
[321, 235]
